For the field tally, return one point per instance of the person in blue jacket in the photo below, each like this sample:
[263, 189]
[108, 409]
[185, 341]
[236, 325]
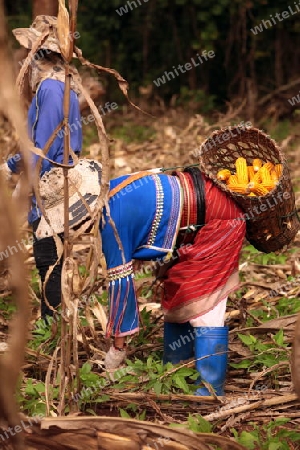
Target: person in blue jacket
[47, 75]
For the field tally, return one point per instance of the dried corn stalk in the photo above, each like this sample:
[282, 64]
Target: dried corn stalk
[11, 361]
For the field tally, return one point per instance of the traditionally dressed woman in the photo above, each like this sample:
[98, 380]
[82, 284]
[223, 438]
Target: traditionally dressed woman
[185, 215]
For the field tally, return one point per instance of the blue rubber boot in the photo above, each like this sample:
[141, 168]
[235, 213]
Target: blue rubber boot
[179, 341]
[208, 342]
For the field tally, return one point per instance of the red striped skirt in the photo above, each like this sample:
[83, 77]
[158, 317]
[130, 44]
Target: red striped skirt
[207, 270]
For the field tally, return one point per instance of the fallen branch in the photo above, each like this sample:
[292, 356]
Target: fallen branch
[278, 400]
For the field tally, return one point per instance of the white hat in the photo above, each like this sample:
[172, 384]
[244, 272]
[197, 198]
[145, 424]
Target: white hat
[84, 191]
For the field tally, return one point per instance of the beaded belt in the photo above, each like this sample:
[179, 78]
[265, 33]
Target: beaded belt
[122, 271]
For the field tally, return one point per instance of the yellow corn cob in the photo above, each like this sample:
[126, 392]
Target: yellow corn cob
[251, 172]
[257, 188]
[269, 166]
[257, 164]
[223, 174]
[268, 186]
[278, 169]
[241, 170]
[260, 190]
[232, 179]
[265, 175]
[274, 176]
[257, 177]
[239, 188]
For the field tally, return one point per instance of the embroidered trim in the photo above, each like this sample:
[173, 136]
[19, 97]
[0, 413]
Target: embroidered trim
[159, 210]
[189, 214]
[158, 249]
[174, 219]
[122, 271]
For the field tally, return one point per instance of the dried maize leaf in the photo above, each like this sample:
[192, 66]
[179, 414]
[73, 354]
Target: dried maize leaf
[63, 29]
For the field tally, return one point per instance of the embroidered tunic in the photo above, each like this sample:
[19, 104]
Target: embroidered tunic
[147, 216]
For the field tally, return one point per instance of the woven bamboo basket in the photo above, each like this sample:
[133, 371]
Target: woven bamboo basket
[271, 220]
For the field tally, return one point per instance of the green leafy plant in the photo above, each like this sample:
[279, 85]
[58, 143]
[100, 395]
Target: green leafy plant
[132, 407]
[271, 436]
[31, 396]
[284, 307]
[263, 355]
[152, 375]
[91, 387]
[198, 424]
[87, 377]
[146, 329]
[43, 336]
[7, 307]
[35, 281]
[250, 254]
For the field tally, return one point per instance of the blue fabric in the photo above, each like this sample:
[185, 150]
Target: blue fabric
[208, 342]
[44, 115]
[123, 320]
[133, 210]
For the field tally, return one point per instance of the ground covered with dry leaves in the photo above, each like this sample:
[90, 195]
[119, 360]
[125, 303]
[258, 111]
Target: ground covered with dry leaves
[260, 409]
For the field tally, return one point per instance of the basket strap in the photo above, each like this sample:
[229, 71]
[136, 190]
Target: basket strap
[130, 179]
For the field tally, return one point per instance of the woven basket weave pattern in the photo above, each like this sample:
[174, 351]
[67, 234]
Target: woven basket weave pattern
[271, 219]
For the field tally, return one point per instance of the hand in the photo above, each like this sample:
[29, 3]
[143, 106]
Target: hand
[7, 173]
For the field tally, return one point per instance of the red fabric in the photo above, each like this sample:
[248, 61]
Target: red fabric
[205, 267]
[189, 213]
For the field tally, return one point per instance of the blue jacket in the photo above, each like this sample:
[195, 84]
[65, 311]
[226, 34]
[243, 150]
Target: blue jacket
[44, 115]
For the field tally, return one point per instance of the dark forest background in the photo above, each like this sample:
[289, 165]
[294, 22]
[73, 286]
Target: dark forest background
[260, 70]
